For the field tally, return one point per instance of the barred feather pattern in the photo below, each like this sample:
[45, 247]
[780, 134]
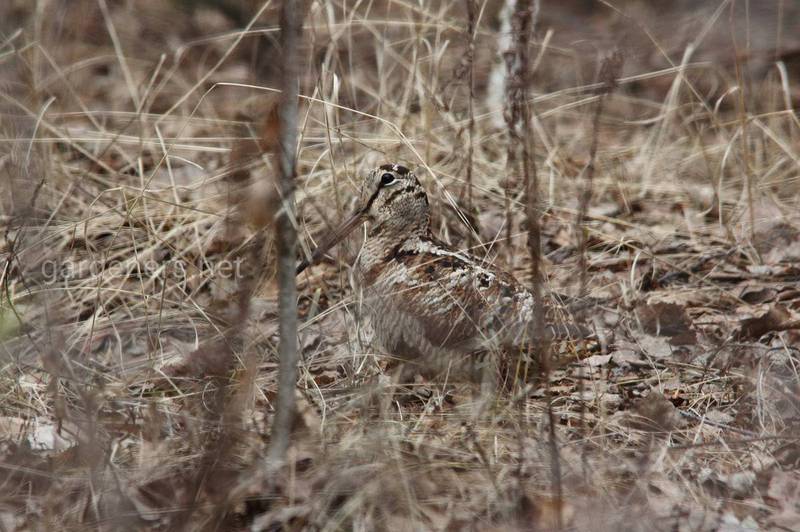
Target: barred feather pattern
[424, 298]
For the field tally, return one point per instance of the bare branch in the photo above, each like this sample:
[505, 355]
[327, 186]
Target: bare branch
[291, 23]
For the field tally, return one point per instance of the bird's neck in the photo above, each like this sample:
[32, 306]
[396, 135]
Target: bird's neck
[383, 242]
[394, 230]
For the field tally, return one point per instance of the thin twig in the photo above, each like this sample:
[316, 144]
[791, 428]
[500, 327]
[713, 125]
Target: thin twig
[470, 58]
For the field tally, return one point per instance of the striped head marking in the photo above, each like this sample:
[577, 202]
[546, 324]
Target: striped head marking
[392, 202]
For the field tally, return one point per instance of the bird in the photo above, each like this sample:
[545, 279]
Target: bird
[427, 300]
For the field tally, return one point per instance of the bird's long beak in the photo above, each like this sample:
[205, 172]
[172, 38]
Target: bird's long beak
[336, 236]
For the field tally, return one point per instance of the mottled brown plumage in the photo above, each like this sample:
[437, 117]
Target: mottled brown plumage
[424, 298]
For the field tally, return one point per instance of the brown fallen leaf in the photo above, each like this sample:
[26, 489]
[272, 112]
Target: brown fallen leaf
[780, 242]
[784, 491]
[755, 295]
[655, 413]
[596, 361]
[655, 347]
[213, 359]
[667, 319]
[326, 377]
[788, 455]
[544, 513]
[776, 318]
[625, 357]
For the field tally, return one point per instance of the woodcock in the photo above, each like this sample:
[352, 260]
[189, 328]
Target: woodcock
[424, 298]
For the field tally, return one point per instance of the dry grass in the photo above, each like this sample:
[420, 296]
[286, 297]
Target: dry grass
[134, 395]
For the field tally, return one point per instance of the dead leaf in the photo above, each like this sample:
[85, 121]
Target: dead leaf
[784, 490]
[739, 484]
[774, 319]
[47, 436]
[720, 417]
[212, 359]
[545, 513]
[596, 361]
[789, 455]
[655, 346]
[655, 413]
[607, 400]
[326, 377]
[12, 427]
[39, 435]
[306, 414]
[491, 224]
[667, 319]
[757, 295]
[730, 523]
[283, 518]
[780, 242]
[624, 357]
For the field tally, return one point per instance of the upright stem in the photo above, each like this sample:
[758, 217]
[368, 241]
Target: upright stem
[609, 73]
[286, 238]
[471, 108]
[518, 118]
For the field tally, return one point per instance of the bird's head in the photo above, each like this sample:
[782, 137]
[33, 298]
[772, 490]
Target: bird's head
[391, 201]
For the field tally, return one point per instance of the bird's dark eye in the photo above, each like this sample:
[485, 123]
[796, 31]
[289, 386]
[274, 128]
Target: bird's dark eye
[387, 178]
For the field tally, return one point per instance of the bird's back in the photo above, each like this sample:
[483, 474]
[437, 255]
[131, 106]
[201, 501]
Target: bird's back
[426, 299]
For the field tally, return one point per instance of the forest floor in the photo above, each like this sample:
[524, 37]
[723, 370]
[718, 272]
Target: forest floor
[138, 328]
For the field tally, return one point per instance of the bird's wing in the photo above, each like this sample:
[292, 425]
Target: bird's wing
[459, 299]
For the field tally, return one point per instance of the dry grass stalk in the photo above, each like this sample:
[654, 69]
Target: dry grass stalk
[610, 70]
[470, 65]
[521, 156]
